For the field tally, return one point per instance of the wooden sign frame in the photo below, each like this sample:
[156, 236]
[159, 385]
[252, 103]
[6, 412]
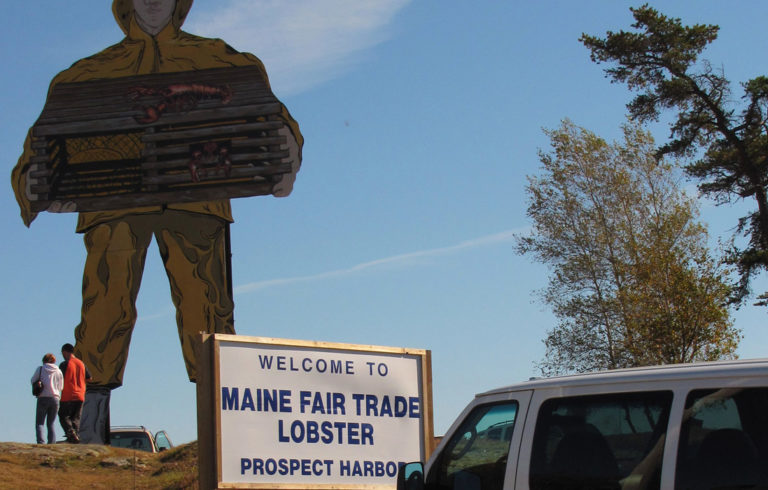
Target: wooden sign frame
[209, 403]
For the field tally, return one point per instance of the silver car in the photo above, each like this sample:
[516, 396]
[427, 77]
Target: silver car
[139, 438]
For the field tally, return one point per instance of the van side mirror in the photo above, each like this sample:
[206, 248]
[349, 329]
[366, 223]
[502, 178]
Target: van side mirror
[410, 476]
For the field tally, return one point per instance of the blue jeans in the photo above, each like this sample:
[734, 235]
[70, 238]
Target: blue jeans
[47, 407]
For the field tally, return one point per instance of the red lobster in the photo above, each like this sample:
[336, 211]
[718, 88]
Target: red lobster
[177, 97]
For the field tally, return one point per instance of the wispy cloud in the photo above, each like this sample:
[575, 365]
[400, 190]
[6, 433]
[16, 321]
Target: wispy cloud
[400, 260]
[302, 42]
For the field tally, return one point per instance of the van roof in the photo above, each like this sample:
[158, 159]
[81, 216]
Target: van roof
[717, 369]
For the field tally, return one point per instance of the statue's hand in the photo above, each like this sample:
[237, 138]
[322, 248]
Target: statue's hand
[62, 207]
[285, 186]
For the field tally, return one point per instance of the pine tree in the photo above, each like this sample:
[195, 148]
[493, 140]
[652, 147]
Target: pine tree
[727, 142]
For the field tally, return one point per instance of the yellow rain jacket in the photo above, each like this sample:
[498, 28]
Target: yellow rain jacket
[171, 50]
[190, 236]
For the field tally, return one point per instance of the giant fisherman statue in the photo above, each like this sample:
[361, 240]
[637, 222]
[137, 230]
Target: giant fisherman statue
[191, 235]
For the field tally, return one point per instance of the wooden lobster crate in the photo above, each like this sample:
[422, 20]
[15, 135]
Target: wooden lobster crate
[158, 139]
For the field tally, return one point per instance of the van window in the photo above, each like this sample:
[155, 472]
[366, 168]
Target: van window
[724, 439]
[475, 458]
[600, 442]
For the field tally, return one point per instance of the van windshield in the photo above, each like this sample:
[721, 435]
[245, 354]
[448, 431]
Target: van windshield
[476, 455]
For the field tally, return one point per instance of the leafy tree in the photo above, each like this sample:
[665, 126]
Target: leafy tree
[632, 281]
[660, 60]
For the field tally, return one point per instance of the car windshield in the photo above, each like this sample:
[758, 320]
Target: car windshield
[132, 440]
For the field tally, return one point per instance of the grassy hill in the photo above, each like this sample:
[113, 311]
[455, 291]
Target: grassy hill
[65, 466]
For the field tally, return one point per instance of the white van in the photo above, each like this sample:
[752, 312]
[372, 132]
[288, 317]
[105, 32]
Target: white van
[691, 426]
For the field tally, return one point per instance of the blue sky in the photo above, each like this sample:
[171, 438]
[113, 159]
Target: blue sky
[421, 119]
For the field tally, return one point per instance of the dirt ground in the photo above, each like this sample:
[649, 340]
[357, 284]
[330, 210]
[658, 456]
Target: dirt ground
[71, 466]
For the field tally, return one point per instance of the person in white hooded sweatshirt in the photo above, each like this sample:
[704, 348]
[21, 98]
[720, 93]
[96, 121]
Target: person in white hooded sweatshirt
[48, 400]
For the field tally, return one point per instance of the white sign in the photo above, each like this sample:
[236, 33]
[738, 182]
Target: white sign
[314, 415]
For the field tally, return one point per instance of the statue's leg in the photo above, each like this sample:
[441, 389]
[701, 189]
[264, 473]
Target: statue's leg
[111, 279]
[193, 248]
[94, 421]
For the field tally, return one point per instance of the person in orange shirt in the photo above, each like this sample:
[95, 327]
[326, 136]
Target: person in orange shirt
[73, 394]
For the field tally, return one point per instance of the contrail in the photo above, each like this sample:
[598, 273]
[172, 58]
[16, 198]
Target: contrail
[395, 260]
